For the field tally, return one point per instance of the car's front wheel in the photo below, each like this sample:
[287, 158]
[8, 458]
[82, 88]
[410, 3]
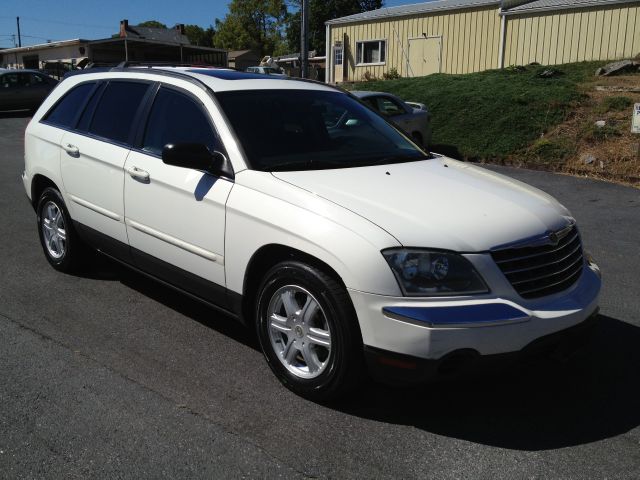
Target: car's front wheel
[308, 331]
[60, 243]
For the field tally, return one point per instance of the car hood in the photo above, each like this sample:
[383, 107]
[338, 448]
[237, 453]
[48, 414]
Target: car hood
[438, 203]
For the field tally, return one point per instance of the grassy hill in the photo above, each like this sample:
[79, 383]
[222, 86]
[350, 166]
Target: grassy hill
[516, 116]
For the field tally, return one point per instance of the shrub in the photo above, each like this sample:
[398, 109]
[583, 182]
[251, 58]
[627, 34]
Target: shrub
[367, 77]
[550, 151]
[392, 74]
[594, 134]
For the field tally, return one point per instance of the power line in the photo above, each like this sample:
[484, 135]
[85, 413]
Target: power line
[41, 38]
[59, 22]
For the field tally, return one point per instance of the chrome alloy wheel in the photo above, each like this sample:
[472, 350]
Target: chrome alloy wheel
[53, 230]
[299, 331]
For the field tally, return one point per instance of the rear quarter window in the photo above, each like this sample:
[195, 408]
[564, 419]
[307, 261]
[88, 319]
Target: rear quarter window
[65, 112]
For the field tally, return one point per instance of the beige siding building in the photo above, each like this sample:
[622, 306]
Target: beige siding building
[463, 36]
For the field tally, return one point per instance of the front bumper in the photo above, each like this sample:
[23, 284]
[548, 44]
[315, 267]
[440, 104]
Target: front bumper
[396, 369]
[430, 329]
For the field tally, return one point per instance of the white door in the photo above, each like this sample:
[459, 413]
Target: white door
[424, 56]
[175, 216]
[94, 154]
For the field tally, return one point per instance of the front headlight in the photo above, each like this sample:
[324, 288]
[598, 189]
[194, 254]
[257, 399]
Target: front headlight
[422, 273]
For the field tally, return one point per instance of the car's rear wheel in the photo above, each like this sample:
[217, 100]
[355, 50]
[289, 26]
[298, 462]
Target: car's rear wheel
[308, 331]
[59, 241]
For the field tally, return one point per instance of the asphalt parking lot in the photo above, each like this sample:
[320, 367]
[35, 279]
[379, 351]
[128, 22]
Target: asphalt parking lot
[112, 375]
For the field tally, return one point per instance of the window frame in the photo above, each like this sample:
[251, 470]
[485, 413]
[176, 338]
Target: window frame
[380, 41]
[145, 115]
[338, 50]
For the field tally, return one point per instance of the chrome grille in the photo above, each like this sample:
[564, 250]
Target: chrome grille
[537, 270]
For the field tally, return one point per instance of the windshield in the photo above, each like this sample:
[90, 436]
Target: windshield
[311, 130]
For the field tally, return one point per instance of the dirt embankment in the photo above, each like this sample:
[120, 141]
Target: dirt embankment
[596, 138]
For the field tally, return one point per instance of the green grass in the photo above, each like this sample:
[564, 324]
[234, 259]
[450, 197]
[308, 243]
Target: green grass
[494, 114]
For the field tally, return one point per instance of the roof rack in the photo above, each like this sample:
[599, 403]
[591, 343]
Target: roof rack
[124, 66]
[130, 63]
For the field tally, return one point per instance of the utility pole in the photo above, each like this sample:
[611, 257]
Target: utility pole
[304, 40]
[19, 37]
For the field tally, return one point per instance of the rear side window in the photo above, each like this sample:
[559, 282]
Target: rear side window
[31, 79]
[116, 111]
[9, 80]
[177, 118]
[66, 110]
[389, 107]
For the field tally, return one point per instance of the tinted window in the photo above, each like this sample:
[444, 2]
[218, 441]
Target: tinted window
[9, 80]
[31, 79]
[87, 115]
[312, 129]
[115, 113]
[389, 107]
[176, 118]
[65, 111]
[371, 101]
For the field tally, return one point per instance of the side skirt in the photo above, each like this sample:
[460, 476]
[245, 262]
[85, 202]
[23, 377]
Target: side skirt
[193, 286]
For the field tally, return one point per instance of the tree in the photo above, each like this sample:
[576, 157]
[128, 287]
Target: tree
[319, 12]
[252, 24]
[199, 36]
[152, 24]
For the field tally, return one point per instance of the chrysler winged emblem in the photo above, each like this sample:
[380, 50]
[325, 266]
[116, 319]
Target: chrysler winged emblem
[555, 237]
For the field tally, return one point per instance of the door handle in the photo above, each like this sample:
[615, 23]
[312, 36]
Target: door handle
[138, 173]
[71, 150]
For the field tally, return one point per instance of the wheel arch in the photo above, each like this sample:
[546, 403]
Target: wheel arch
[38, 184]
[266, 257]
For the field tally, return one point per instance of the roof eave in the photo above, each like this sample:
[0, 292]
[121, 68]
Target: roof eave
[555, 8]
[38, 46]
[156, 42]
[346, 20]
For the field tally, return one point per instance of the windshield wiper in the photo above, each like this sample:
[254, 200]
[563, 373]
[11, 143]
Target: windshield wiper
[293, 165]
[401, 159]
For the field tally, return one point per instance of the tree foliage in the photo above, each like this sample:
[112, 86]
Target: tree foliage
[252, 24]
[200, 36]
[319, 12]
[152, 24]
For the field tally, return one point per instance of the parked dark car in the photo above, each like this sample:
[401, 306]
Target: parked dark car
[413, 118]
[24, 89]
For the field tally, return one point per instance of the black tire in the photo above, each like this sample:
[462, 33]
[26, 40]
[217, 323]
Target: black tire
[69, 257]
[342, 368]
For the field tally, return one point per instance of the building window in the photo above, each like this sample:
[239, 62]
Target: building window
[371, 52]
[337, 55]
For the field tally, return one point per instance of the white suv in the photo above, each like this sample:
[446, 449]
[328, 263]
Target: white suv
[293, 207]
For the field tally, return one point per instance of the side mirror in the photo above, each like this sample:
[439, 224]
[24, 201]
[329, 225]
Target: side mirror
[198, 157]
